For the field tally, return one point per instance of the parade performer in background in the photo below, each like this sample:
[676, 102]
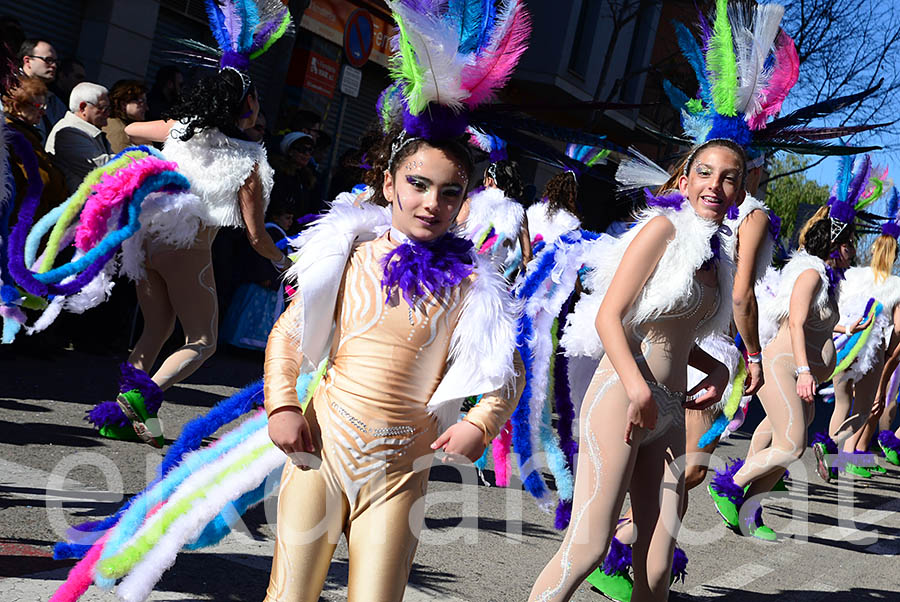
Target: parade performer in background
[652, 293]
[422, 322]
[556, 213]
[798, 352]
[494, 218]
[230, 182]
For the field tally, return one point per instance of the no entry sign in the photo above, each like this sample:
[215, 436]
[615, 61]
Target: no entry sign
[358, 37]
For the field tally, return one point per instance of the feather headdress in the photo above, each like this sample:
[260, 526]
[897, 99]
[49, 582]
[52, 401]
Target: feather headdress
[858, 185]
[892, 226]
[745, 66]
[242, 29]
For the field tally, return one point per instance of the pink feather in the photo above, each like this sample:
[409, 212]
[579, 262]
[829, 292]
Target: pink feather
[491, 70]
[787, 70]
[81, 575]
[500, 450]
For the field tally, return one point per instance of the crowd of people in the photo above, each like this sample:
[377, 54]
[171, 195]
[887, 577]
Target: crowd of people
[426, 310]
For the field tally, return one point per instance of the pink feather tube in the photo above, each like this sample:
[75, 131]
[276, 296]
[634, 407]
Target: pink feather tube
[82, 574]
[787, 70]
[500, 450]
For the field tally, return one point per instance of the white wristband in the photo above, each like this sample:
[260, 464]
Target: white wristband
[755, 359]
[801, 370]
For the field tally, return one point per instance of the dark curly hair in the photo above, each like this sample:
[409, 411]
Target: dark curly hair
[215, 101]
[123, 92]
[815, 236]
[561, 192]
[505, 174]
[379, 156]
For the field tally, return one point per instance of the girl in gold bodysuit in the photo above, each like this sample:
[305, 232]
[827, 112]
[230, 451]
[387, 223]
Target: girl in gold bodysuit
[796, 356]
[648, 308]
[361, 451]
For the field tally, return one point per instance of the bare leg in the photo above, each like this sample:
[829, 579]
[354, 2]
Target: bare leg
[657, 502]
[159, 320]
[864, 396]
[604, 473]
[762, 437]
[841, 425]
[696, 423]
[789, 416]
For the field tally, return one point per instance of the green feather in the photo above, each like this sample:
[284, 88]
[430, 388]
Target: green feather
[722, 64]
[878, 188]
[285, 23]
[596, 158]
[694, 106]
[404, 67]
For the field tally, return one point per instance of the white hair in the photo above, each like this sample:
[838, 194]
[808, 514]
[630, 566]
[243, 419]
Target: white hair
[85, 92]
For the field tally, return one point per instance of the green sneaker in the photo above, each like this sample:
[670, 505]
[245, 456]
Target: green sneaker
[857, 471]
[617, 586]
[890, 455]
[727, 509]
[877, 468]
[119, 433]
[757, 529]
[148, 428]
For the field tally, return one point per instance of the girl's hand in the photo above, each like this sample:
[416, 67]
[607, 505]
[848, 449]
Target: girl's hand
[877, 406]
[289, 431]
[461, 439]
[714, 383]
[755, 379]
[641, 411]
[806, 387]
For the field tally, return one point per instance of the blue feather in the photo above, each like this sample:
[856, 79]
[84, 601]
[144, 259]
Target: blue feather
[487, 24]
[217, 24]
[249, 21]
[845, 172]
[694, 55]
[893, 204]
[676, 96]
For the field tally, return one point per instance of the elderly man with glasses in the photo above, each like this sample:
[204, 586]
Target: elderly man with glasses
[77, 141]
[37, 58]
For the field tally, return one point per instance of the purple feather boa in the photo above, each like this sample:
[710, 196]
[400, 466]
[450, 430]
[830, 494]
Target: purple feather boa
[835, 275]
[107, 412]
[723, 483]
[417, 269]
[436, 122]
[35, 187]
[618, 558]
[673, 200]
[889, 440]
[842, 212]
[822, 437]
[566, 411]
[563, 514]
[774, 225]
[130, 378]
[679, 565]
[891, 229]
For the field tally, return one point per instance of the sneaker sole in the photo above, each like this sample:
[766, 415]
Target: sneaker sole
[821, 466]
[140, 429]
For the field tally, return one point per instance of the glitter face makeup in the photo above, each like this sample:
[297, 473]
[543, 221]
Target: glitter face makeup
[714, 183]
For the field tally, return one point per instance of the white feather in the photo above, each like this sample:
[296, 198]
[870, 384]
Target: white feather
[639, 171]
[857, 288]
[766, 247]
[550, 227]
[774, 293]
[435, 43]
[751, 50]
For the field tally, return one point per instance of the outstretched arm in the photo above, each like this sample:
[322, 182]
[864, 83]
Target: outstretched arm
[751, 234]
[637, 265]
[253, 212]
[143, 132]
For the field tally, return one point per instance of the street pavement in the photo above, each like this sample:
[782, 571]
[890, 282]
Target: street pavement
[839, 541]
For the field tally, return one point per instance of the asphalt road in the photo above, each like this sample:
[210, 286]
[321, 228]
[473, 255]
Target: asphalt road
[839, 542]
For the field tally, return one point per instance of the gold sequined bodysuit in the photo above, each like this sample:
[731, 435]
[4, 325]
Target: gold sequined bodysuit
[369, 419]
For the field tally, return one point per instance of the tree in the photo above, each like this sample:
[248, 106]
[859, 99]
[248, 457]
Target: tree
[784, 195]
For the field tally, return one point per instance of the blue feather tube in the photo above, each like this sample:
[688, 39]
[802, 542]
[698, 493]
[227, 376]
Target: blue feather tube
[694, 55]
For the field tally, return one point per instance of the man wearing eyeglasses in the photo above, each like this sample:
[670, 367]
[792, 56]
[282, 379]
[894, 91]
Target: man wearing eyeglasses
[77, 141]
[37, 58]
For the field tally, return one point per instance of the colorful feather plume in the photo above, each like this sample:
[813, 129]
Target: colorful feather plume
[721, 63]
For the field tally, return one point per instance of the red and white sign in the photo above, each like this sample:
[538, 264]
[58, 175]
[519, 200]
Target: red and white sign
[321, 75]
[329, 18]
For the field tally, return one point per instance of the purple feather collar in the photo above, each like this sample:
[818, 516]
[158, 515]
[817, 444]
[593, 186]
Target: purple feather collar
[415, 269]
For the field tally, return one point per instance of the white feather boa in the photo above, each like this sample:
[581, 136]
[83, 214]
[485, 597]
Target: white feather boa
[668, 288]
[766, 248]
[773, 293]
[217, 166]
[550, 227]
[857, 288]
[491, 208]
[481, 346]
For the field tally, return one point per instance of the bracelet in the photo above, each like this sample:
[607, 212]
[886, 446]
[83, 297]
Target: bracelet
[755, 358]
[801, 370]
[755, 353]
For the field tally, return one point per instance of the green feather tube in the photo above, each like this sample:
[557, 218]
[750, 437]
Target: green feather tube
[404, 67]
[722, 64]
[285, 23]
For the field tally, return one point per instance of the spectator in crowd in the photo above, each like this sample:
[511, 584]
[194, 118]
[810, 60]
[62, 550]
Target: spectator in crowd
[77, 143]
[294, 179]
[24, 107]
[127, 104]
[165, 93]
[37, 58]
[257, 132]
[11, 34]
[69, 73]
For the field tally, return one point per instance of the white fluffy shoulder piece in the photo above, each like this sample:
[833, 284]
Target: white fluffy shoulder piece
[550, 227]
[318, 267]
[491, 207]
[217, 166]
[481, 346]
[668, 288]
[774, 297]
[859, 286]
[765, 250]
